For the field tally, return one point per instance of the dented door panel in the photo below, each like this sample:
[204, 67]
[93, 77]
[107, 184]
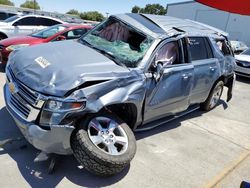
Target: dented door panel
[206, 72]
[171, 94]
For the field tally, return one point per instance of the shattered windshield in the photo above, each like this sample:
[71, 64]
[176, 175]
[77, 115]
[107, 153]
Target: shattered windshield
[121, 42]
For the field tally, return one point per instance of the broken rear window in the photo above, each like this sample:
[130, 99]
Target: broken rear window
[121, 42]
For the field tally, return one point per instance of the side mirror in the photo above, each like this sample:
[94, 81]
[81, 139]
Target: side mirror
[159, 71]
[60, 37]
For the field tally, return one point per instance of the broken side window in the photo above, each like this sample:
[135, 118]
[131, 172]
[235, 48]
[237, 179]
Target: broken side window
[224, 47]
[168, 54]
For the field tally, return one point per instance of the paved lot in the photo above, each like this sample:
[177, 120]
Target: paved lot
[198, 150]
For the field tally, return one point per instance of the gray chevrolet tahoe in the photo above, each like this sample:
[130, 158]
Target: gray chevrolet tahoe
[130, 73]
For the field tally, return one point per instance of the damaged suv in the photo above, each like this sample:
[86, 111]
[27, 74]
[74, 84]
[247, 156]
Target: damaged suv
[131, 72]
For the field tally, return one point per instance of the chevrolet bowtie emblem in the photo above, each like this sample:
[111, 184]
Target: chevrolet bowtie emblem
[12, 87]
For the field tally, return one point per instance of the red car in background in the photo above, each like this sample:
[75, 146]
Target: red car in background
[51, 34]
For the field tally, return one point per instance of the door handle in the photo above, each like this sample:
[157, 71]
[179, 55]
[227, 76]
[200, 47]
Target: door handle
[212, 69]
[185, 76]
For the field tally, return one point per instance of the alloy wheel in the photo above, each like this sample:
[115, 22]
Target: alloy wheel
[107, 135]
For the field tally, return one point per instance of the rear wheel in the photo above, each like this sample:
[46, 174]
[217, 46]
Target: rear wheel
[214, 97]
[103, 144]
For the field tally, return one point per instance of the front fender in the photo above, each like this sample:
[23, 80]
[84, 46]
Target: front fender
[127, 89]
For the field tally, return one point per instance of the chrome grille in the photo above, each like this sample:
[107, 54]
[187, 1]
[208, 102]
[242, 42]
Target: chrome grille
[24, 100]
[24, 91]
[23, 110]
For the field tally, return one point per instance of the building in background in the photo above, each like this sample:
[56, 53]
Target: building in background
[238, 26]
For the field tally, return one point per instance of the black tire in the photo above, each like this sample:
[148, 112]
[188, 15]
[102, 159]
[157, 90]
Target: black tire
[2, 36]
[94, 159]
[207, 105]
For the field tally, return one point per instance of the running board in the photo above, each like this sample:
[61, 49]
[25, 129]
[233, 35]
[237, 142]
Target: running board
[157, 123]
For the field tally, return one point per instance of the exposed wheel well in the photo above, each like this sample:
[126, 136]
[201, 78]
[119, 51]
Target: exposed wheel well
[126, 111]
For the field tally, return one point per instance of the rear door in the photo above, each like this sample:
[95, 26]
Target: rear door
[206, 68]
[170, 94]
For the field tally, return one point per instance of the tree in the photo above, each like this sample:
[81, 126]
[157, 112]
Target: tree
[92, 15]
[155, 9]
[150, 9]
[136, 9]
[6, 2]
[73, 12]
[30, 4]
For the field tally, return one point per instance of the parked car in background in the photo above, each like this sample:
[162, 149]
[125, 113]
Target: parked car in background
[243, 63]
[51, 34]
[24, 25]
[238, 46]
[131, 72]
[6, 14]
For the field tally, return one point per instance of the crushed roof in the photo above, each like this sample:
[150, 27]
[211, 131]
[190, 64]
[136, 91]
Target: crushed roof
[157, 25]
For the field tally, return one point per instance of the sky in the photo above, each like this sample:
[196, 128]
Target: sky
[103, 6]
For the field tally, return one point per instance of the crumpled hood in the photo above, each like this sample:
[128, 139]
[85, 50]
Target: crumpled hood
[58, 67]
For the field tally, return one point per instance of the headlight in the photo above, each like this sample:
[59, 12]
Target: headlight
[59, 106]
[15, 47]
[54, 111]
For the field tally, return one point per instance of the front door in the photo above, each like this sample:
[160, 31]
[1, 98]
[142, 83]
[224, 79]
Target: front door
[169, 94]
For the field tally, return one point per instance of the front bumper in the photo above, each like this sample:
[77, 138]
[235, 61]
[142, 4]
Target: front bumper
[56, 140]
[242, 71]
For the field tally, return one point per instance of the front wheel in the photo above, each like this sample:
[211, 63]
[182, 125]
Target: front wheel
[103, 144]
[214, 97]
